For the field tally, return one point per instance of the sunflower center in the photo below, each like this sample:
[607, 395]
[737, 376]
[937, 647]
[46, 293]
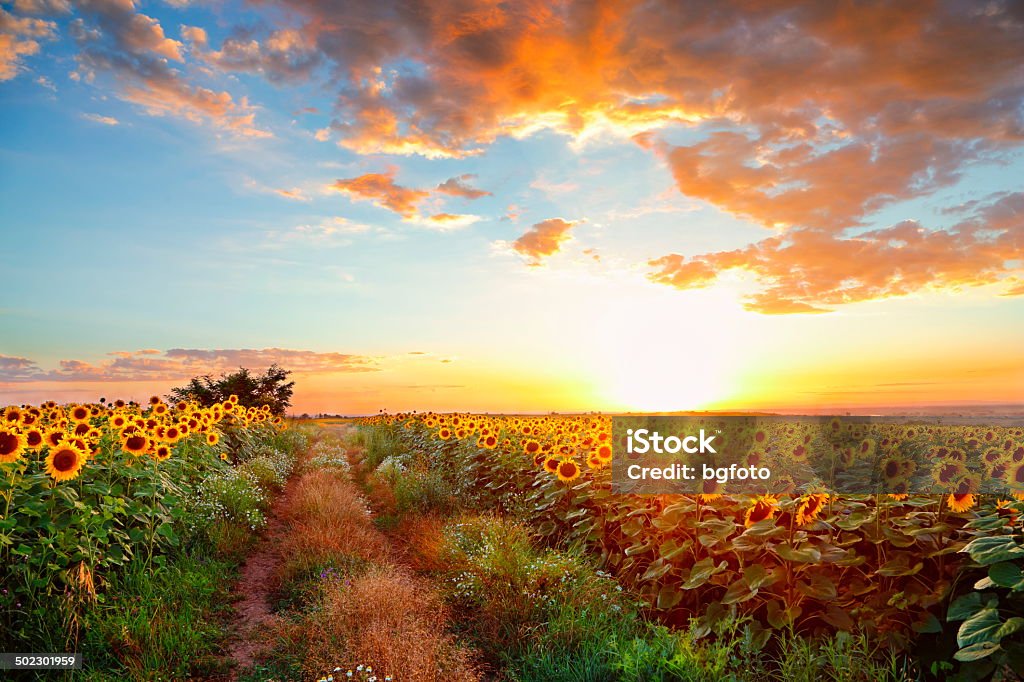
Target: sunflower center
[65, 460]
[8, 443]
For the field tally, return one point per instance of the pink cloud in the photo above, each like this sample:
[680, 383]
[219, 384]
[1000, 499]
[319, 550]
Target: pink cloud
[179, 364]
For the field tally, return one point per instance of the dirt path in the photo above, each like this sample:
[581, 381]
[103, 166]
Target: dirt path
[253, 610]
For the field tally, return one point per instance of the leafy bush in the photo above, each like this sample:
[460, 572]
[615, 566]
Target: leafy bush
[990, 637]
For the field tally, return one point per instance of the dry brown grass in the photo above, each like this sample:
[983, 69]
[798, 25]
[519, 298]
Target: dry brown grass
[386, 618]
[421, 541]
[327, 523]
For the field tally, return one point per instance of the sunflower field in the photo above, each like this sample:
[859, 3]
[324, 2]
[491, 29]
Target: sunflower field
[938, 576]
[94, 496]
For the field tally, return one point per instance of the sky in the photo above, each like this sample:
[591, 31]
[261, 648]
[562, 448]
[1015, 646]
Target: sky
[530, 206]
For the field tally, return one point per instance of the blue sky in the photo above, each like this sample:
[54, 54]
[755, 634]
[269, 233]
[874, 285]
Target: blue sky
[169, 188]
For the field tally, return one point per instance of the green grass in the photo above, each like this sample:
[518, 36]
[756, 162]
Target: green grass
[164, 624]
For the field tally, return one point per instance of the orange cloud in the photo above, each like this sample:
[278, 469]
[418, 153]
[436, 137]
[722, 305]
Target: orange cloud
[19, 38]
[544, 239]
[795, 72]
[813, 270]
[380, 188]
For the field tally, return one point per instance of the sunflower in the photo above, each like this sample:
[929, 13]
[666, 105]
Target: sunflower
[79, 413]
[12, 443]
[33, 439]
[160, 408]
[212, 439]
[53, 437]
[162, 452]
[892, 468]
[961, 502]
[711, 489]
[948, 471]
[604, 452]
[12, 415]
[810, 508]
[65, 462]
[135, 444]
[763, 508]
[154, 399]
[531, 447]
[551, 465]
[568, 470]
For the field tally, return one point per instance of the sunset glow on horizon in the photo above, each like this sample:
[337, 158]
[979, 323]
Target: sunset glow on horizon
[525, 207]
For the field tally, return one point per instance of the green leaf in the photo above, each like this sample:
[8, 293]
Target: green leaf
[672, 548]
[964, 607]
[928, 624]
[1007, 574]
[900, 566]
[989, 550]
[738, 592]
[668, 597]
[757, 576]
[639, 549]
[701, 571]
[977, 651]
[657, 569]
[820, 588]
[806, 554]
[981, 627]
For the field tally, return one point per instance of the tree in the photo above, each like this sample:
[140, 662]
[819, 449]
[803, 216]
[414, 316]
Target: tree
[253, 390]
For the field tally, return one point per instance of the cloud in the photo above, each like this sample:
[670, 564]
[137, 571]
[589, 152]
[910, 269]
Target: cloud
[98, 118]
[295, 194]
[814, 270]
[46, 7]
[829, 188]
[335, 231]
[444, 222]
[283, 56]
[113, 38]
[17, 369]
[20, 37]
[544, 239]
[179, 364]
[459, 187]
[448, 78]
[381, 190]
